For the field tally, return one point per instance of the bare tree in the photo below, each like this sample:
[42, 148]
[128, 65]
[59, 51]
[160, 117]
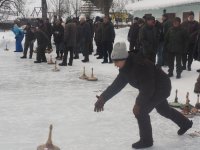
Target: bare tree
[58, 7]
[17, 5]
[103, 4]
[11, 7]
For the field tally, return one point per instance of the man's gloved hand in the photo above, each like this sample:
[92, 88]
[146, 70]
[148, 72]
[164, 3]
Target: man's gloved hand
[99, 104]
[136, 109]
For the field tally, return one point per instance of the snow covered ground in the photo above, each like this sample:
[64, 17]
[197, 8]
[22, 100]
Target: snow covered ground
[32, 97]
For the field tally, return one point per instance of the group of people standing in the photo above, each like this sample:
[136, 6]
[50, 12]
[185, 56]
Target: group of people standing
[74, 36]
[167, 40]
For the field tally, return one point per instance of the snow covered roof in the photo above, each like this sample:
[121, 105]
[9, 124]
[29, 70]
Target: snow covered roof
[157, 4]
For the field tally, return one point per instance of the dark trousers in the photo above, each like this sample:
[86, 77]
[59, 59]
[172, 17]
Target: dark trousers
[49, 46]
[107, 50]
[151, 57]
[160, 59]
[84, 46]
[133, 48]
[187, 58]
[99, 49]
[41, 53]
[59, 49]
[171, 59]
[28, 44]
[66, 51]
[159, 102]
[90, 46]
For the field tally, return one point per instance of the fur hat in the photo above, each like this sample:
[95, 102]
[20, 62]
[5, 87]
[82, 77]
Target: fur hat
[191, 13]
[120, 51]
[82, 17]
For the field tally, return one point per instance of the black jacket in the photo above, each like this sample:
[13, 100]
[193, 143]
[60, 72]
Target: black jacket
[42, 37]
[192, 28]
[29, 35]
[108, 32]
[133, 33]
[85, 32]
[70, 35]
[143, 75]
[58, 33]
[149, 39]
[98, 31]
[176, 40]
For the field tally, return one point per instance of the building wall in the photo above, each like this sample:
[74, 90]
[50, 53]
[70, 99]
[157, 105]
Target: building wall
[178, 10]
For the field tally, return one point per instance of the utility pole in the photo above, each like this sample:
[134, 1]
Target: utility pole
[59, 8]
[76, 8]
[44, 9]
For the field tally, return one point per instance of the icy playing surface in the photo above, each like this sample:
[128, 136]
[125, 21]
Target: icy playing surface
[32, 97]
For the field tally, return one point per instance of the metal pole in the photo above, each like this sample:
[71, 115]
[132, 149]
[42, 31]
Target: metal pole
[76, 8]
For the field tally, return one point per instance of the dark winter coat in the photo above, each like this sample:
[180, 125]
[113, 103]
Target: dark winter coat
[159, 29]
[48, 29]
[90, 22]
[42, 37]
[70, 35]
[85, 32]
[149, 38]
[192, 28]
[143, 75]
[29, 35]
[197, 48]
[108, 32]
[167, 24]
[133, 33]
[176, 40]
[58, 33]
[98, 32]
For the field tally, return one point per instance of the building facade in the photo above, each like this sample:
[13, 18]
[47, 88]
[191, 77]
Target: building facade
[179, 10]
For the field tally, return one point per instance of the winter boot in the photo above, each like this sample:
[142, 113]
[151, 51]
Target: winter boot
[86, 59]
[23, 57]
[62, 64]
[105, 61]
[189, 68]
[178, 76]
[36, 62]
[100, 57]
[142, 144]
[183, 67]
[186, 127]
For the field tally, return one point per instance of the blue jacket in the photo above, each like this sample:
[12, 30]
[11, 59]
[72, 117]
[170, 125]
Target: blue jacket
[19, 33]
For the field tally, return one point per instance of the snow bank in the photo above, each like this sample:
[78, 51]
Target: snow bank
[32, 97]
[157, 4]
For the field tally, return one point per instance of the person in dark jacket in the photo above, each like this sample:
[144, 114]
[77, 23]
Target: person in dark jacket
[85, 37]
[90, 22]
[176, 42]
[49, 32]
[197, 49]
[58, 34]
[191, 26]
[70, 42]
[154, 88]
[108, 38]
[159, 29]
[133, 35]
[148, 37]
[167, 24]
[77, 49]
[29, 41]
[42, 41]
[98, 37]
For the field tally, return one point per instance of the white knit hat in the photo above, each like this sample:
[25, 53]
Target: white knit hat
[120, 51]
